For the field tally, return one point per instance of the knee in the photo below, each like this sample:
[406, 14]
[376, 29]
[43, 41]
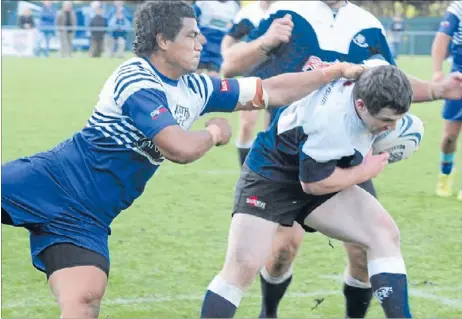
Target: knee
[285, 251]
[84, 303]
[449, 139]
[241, 270]
[288, 250]
[357, 261]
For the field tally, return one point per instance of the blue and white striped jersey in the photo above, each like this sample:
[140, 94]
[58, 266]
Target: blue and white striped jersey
[109, 162]
[452, 26]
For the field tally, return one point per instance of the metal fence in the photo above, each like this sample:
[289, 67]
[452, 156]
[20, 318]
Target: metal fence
[412, 42]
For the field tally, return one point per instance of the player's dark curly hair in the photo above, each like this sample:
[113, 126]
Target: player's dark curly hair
[158, 17]
[384, 86]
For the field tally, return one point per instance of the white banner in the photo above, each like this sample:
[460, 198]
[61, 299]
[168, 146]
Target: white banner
[18, 42]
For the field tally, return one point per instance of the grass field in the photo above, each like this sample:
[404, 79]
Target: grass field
[167, 247]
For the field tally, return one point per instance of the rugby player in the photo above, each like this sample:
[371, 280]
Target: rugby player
[67, 197]
[304, 36]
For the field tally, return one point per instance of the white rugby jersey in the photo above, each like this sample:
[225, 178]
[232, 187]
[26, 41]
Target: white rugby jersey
[109, 162]
[313, 136]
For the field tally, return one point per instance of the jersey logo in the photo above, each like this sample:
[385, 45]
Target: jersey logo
[157, 112]
[314, 63]
[148, 149]
[224, 86]
[181, 114]
[360, 40]
[445, 24]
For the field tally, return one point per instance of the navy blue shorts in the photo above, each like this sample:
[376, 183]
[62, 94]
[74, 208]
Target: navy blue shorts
[452, 109]
[36, 195]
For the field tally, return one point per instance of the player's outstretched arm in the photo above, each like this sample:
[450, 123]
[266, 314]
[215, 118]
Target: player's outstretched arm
[183, 147]
[450, 88]
[287, 88]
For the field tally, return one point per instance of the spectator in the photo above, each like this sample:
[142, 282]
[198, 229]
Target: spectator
[47, 23]
[119, 25]
[97, 36]
[25, 20]
[396, 32]
[89, 12]
[66, 21]
[112, 7]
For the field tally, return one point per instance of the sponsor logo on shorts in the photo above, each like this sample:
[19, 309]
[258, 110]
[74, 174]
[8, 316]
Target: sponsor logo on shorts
[224, 86]
[383, 293]
[255, 202]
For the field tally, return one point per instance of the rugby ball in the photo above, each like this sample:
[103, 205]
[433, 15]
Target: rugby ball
[401, 142]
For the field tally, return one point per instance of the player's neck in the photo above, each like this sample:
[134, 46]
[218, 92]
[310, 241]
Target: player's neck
[338, 5]
[164, 68]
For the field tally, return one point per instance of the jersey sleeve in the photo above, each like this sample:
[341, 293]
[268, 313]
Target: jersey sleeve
[241, 29]
[449, 24]
[384, 48]
[242, 24]
[265, 24]
[377, 42]
[216, 95]
[145, 102]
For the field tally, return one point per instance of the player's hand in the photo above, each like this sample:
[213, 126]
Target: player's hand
[372, 165]
[279, 32]
[220, 129]
[438, 76]
[450, 88]
[352, 71]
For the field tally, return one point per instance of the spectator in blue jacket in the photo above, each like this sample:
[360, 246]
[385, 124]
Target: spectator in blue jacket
[119, 24]
[46, 28]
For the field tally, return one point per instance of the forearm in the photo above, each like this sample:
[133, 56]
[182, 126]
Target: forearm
[340, 179]
[188, 147]
[439, 51]
[242, 57]
[423, 91]
[290, 87]
[227, 43]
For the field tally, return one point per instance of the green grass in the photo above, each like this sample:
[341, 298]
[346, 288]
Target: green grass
[168, 246]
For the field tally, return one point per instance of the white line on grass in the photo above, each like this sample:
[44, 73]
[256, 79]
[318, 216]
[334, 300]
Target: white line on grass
[454, 303]
[200, 171]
